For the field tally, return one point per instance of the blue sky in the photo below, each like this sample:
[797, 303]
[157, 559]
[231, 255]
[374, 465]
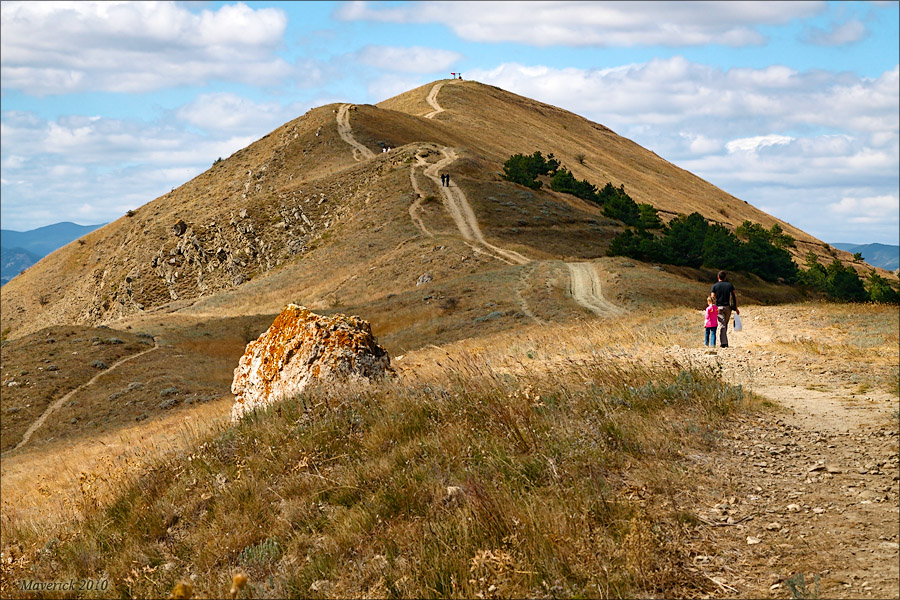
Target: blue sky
[791, 106]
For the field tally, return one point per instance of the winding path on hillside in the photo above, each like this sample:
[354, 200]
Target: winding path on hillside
[461, 211]
[360, 152]
[585, 288]
[455, 200]
[432, 98]
[584, 281]
[414, 207]
[53, 407]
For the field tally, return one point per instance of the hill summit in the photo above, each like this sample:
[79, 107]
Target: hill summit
[346, 206]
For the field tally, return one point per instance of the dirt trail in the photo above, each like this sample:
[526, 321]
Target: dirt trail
[432, 98]
[414, 207]
[55, 405]
[461, 211]
[585, 285]
[814, 489]
[360, 152]
[585, 288]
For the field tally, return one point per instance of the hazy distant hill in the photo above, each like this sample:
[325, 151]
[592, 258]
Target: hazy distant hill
[44, 240]
[13, 261]
[877, 255]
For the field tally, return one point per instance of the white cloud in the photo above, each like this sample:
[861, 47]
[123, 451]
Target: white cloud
[592, 23]
[708, 101]
[867, 210]
[226, 112]
[752, 144]
[136, 46]
[408, 60]
[91, 170]
[839, 35]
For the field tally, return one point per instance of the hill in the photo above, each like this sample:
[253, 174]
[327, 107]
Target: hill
[316, 213]
[13, 261]
[44, 240]
[878, 255]
[554, 427]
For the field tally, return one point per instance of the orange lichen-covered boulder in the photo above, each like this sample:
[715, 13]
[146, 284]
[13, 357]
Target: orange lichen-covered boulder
[300, 348]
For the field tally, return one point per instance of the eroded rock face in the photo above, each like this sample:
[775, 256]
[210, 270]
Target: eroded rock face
[300, 348]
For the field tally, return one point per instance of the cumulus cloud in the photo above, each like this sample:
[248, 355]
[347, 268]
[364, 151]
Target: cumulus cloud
[752, 144]
[593, 23]
[62, 47]
[661, 94]
[867, 210]
[408, 60]
[89, 169]
[226, 112]
[839, 35]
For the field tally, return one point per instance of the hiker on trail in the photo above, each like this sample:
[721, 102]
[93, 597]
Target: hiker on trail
[726, 301]
[448, 179]
[712, 316]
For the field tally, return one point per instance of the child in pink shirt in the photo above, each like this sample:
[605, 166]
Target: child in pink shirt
[712, 317]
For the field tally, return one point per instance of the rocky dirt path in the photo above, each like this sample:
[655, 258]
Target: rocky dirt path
[585, 288]
[414, 207]
[461, 211]
[360, 152]
[61, 401]
[810, 490]
[585, 284]
[432, 98]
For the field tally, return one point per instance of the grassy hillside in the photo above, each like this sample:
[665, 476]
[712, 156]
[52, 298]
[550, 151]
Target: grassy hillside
[502, 470]
[295, 217]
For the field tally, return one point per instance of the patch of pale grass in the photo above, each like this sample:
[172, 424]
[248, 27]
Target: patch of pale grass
[47, 486]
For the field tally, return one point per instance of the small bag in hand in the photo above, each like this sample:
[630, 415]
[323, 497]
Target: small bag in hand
[737, 322]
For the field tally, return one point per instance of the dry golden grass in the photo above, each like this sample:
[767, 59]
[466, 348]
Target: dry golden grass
[344, 492]
[49, 486]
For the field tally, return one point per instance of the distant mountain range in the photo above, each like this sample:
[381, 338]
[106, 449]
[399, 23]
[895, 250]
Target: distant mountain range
[13, 261]
[21, 249]
[877, 255]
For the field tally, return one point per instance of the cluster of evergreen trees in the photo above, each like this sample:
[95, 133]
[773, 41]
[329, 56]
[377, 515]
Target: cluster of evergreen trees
[525, 170]
[692, 241]
[839, 282]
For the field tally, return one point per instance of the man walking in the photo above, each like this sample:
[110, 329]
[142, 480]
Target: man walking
[726, 300]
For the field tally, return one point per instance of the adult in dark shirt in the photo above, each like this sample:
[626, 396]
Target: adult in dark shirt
[726, 300]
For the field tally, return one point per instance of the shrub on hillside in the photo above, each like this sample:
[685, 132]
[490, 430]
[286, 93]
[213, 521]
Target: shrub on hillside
[525, 170]
[564, 181]
[619, 205]
[880, 289]
[689, 240]
[843, 284]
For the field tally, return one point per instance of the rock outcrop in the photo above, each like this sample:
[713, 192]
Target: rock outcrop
[301, 348]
